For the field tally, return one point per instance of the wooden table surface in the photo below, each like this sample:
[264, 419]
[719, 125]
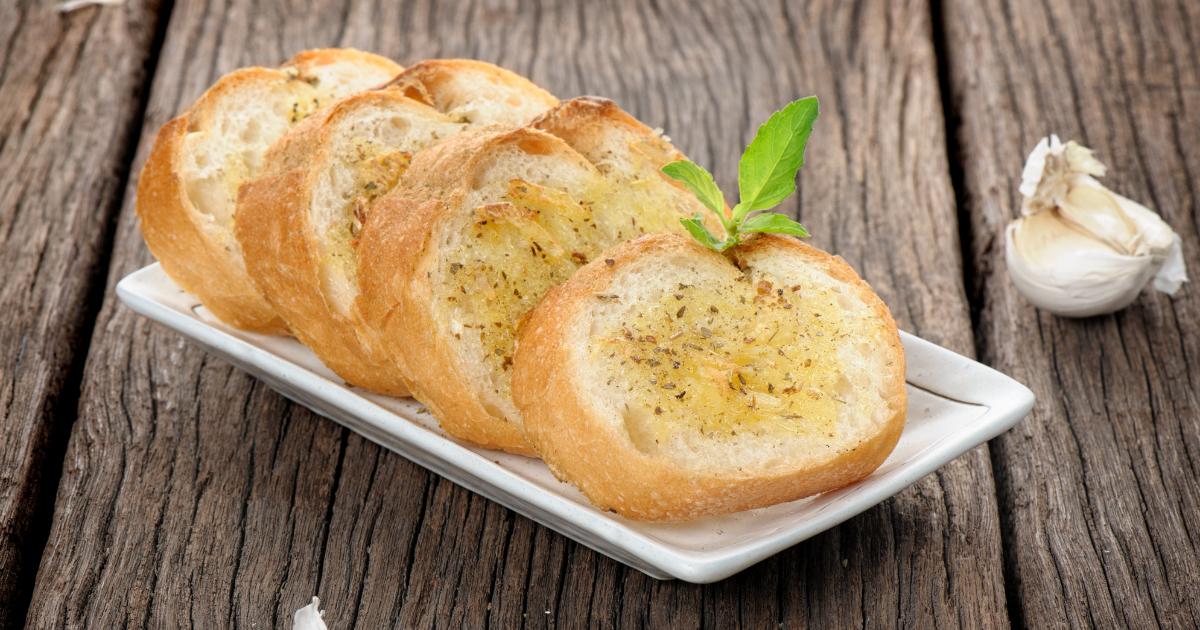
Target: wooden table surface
[145, 483]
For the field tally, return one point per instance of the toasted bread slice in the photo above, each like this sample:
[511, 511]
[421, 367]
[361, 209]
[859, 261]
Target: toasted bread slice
[475, 92]
[188, 188]
[485, 224]
[628, 153]
[670, 382]
[298, 222]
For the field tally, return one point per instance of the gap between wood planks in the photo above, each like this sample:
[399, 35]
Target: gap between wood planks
[65, 409]
[970, 281]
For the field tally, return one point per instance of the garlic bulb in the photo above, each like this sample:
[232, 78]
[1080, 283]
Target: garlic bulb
[1080, 249]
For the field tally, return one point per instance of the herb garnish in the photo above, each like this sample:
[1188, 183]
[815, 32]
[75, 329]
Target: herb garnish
[766, 176]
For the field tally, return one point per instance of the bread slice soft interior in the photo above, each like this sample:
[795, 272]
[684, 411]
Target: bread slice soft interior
[298, 222]
[669, 382]
[450, 263]
[188, 189]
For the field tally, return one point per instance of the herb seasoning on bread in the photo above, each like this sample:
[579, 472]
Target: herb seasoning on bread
[675, 378]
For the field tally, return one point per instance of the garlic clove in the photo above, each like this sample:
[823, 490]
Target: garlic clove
[1080, 249]
[1094, 210]
[1062, 270]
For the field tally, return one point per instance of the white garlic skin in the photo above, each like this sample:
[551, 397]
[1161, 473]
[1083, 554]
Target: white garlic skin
[1079, 249]
[309, 617]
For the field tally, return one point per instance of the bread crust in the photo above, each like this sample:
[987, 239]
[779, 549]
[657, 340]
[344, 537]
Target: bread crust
[307, 59]
[192, 257]
[284, 247]
[426, 81]
[281, 249]
[579, 447]
[577, 121]
[584, 122]
[396, 254]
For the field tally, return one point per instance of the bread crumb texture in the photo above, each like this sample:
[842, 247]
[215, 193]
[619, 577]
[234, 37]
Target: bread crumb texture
[370, 149]
[525, 237]
[761, 364]
[226, 141]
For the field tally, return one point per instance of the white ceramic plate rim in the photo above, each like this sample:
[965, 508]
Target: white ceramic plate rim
[930, 367]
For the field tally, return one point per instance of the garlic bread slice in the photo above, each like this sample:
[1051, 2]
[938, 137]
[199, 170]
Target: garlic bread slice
[629, 154]
[669, 382]
[299, 221]
[475, 92]
[188, 187]
[485, 224]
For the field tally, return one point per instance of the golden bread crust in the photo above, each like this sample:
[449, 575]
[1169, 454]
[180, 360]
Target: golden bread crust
[428, 81]
[580, 122]
[198, 262]
[283, 245]
[279, 243]
[312, 58]
[388, 305]
[601, 461]
[587, 123]
[395, 302]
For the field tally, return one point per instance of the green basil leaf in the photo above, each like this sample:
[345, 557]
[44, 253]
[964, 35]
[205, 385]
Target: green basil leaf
[767, 170]
[700, 182]
[695, 226]
[773, 222]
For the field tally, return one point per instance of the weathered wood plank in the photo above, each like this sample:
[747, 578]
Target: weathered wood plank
[1100, 487]
[72, 91]
[193, 496]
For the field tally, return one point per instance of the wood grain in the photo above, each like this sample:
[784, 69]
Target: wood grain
[1100, 486]
[72, 91]
[193, 496]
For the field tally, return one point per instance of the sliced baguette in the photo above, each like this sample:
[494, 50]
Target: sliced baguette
[473, 91]
[629, 154]
[188, 188]
[486, 223]
[298, 222]
[674, 382]
[626, 151]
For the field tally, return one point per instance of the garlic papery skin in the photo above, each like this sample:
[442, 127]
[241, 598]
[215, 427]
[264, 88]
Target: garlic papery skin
[1080, 249]
[309, 617]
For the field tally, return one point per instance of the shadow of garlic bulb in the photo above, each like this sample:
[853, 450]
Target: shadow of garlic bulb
[1080, 249]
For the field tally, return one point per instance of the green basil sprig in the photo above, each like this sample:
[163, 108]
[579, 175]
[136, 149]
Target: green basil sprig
[766, 176]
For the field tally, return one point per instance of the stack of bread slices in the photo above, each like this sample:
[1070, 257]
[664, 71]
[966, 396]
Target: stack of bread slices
[454, 232]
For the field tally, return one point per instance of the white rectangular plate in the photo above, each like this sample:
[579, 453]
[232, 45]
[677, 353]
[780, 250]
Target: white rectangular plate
[954, 404]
